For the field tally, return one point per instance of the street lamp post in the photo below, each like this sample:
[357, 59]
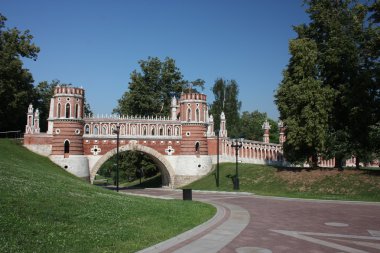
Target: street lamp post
[217, 158]
[117, 132]
[236, 145]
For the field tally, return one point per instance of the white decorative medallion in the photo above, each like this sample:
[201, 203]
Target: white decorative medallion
[169, 150]
[95, 150]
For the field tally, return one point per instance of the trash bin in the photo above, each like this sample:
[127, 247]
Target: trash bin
[187, 194]
[236, 183]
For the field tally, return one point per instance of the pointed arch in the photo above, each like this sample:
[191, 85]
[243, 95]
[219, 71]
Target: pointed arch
[96, 130]
[59, 110]
[87, 129]
[76, 111]
[197, 115]
[104, 130]
[66, 148]
[67, 110]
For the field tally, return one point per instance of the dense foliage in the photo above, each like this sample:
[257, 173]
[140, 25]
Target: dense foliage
[16, 82]
[226, 100]
[251, 126]
[132, 165]
[150, 90]
[247, 125]
[337, 54]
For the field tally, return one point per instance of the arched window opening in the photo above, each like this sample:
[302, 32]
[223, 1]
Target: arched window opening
[161, 131]
[197, 115]
[144, 130]
[76, 111]
[197, 147]
[189, 114]
[133, 130]
[67, 110]
[177, 131]
[169, 132]
[104, 130]
[59, 110]
[66, 147]
[96, 130]
[87, 129]
[152, 131]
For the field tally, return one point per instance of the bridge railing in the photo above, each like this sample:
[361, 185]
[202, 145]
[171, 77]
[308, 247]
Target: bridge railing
[12, 134]
[254, 151]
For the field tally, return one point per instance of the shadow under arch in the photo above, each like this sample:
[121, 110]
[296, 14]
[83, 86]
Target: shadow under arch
[167, 171]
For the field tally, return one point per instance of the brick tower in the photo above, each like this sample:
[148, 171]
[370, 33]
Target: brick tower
[194, 119]
[66, 121]
[266, 127]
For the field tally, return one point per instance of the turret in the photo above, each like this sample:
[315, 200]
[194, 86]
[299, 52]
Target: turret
[193, 115]
[173, 107]
[30, 122]
[37, 121]
[210, 129]
[66, 121]
[222, 128]
[281, 129]
[266, 127]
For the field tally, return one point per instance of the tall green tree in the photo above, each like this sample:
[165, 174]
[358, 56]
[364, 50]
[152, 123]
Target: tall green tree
[304, 104]
[226, 94]
[150, 92]
[151, 89]
[16, 82]
[251, 126]
[346, 62]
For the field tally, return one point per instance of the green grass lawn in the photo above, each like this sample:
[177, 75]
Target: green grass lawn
[296, 182]
[45, 209]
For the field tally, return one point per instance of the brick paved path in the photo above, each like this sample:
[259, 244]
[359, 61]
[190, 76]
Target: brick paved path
[254, 224]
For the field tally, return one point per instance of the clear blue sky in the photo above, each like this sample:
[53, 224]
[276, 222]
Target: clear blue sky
[97, 44]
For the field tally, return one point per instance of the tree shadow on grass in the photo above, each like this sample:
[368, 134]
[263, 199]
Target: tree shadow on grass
[373, 171]
[300, 169]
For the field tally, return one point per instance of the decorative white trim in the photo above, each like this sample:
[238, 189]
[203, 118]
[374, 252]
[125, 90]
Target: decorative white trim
[170, 150]
[95, 150]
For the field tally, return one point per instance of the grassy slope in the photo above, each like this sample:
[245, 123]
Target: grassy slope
[319, 184]
[44, 209]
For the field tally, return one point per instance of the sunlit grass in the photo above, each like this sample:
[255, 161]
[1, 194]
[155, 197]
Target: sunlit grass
[45, 209]
[296, 182]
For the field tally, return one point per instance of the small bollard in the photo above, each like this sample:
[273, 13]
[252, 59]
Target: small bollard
[187, 194]
[235, 181]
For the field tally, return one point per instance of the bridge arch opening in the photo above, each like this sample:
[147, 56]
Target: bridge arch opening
[167, 171]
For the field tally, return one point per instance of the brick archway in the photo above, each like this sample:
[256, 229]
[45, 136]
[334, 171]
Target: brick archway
[167, 171]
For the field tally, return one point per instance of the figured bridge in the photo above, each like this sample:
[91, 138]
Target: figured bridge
[184, 145]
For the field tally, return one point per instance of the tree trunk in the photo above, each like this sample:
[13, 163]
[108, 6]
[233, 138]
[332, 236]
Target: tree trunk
[357, 161]
[338, 163]
[314, 161]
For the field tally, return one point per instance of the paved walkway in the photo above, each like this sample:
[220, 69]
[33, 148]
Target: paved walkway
[246, 223]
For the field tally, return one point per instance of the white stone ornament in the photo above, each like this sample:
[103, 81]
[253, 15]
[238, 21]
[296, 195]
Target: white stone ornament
[169, 150]
[95, 150]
